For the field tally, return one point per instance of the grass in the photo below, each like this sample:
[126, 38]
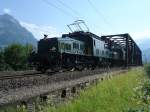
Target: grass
[12, 108]
[113, 95]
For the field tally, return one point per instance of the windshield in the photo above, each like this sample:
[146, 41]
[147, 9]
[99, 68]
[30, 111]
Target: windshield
[46, 45]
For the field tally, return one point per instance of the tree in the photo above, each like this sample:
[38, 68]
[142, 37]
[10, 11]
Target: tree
[1, 60]
[3, 65]
[16, 56]
[28, 48]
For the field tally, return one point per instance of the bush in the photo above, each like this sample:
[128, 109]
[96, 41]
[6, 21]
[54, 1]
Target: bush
[1, 59]
[142, 97]
[147, 69]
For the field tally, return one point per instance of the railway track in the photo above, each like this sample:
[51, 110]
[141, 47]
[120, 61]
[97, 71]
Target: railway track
[21, 74]
[18, 74]
[31, 73]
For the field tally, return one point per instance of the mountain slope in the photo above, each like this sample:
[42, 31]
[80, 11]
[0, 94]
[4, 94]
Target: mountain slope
[144, 44]
[146, 55]
[12, 32]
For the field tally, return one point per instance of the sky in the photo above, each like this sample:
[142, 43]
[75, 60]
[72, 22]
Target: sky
[101, 16]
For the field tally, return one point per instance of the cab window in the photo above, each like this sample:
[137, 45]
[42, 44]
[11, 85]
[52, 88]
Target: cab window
[102, 52]
[94, 42]
[97, 52]
[75, 45]
[81, 47]
[62, 46]
[67, 46]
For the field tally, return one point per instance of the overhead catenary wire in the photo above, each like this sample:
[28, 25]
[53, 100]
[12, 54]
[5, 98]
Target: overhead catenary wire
[73, 11]
[99, 13]
[60, 9]
[70, 8]
[75, 14]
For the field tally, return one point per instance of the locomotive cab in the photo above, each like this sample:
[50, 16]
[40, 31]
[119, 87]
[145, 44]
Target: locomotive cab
[47, 53]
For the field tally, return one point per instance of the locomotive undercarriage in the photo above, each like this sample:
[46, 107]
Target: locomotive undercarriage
[66, 61]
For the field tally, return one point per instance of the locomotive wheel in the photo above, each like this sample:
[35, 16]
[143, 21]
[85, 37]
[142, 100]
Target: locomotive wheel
[43, 70]
[57, 69]
[79, 67]
[72, 69]
[85, 68]
[38, 68]
[91, 67]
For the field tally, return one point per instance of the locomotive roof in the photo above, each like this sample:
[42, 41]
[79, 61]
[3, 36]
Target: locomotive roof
[59, 38]
[48, 38]
[82, 33]
[91, 36]
[69, 39]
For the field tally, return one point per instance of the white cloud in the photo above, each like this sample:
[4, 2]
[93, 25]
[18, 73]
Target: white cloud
[39, 30]
[6, 10]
